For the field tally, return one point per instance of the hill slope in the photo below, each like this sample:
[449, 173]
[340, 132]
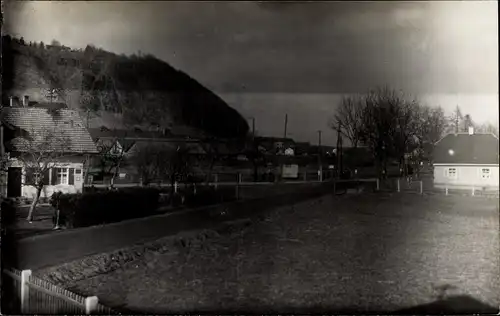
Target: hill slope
[115, 90]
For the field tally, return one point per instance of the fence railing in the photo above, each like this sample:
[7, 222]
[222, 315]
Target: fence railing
[27, 294]
[427, 186]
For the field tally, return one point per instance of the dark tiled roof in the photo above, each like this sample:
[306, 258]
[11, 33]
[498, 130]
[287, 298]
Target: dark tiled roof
[467, 149]
[64, 124]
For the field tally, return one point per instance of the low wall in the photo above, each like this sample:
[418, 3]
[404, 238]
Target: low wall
[52, 249]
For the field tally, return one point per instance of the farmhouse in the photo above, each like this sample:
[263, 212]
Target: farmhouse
[33, 136]
[466, 161]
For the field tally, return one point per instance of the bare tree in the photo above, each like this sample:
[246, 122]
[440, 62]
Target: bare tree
[174, 162]
[112, 155]
[488, 127]
[430, 129]
[389, 126]
[40, 151]
[211, 147]
[454, 121]
[254, 154]
[349, 115]
[162, 161]
[145, 159]
[379, 126]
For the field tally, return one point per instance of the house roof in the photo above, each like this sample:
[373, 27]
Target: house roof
[37, 122]
[467, 149]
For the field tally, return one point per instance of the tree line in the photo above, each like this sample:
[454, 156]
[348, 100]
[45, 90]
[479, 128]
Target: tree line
[396, 126]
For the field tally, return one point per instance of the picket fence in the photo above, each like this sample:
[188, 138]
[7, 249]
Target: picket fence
[31, 295]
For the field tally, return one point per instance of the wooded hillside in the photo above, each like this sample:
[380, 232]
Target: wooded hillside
[141, 90]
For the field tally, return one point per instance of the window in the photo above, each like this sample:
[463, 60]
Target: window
[451, 173]
[485, 173]
[78, 171]
[62, 175]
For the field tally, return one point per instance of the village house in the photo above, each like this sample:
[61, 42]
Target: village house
[467, 161]
[58, 134]
[274, 145]
[126, 142]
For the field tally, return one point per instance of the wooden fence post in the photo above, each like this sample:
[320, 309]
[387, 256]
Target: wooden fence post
[399, 187]
[91, 304]
[176, 186]
[473, 191]
[25, 291]
[421, 187]
[378, 184]
[446, 190]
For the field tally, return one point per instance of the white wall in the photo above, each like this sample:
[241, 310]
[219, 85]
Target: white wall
[48, 190]
[468, 177]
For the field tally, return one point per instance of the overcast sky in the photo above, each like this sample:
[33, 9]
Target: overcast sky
[268, 59]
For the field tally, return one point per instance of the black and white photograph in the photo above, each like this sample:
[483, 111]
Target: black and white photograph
[249, 157]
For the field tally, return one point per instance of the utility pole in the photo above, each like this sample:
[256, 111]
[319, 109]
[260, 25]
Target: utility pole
[253, 128]
[320, 153]
[254, 150]
[284, 136]
[286, 125]
[339, 158]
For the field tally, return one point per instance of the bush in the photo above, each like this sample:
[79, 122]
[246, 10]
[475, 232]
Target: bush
[103, 207]
[7, 211]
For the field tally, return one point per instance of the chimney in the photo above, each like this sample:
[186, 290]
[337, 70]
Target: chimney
[26, 100]
[471, 130]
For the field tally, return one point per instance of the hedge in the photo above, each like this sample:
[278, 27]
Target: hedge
[98, 207]
[95, 208]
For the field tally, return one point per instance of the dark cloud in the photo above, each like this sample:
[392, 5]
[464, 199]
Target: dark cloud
[296, 48]
[291, 46]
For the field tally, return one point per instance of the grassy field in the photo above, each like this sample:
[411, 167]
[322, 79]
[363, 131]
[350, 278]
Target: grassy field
[370, 252]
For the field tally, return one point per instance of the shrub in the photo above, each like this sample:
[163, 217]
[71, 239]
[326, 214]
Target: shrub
[103, 207]
[7, 211]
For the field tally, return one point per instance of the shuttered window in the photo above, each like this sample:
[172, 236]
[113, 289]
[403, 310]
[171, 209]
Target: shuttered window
[71, 180]
[46, 176]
